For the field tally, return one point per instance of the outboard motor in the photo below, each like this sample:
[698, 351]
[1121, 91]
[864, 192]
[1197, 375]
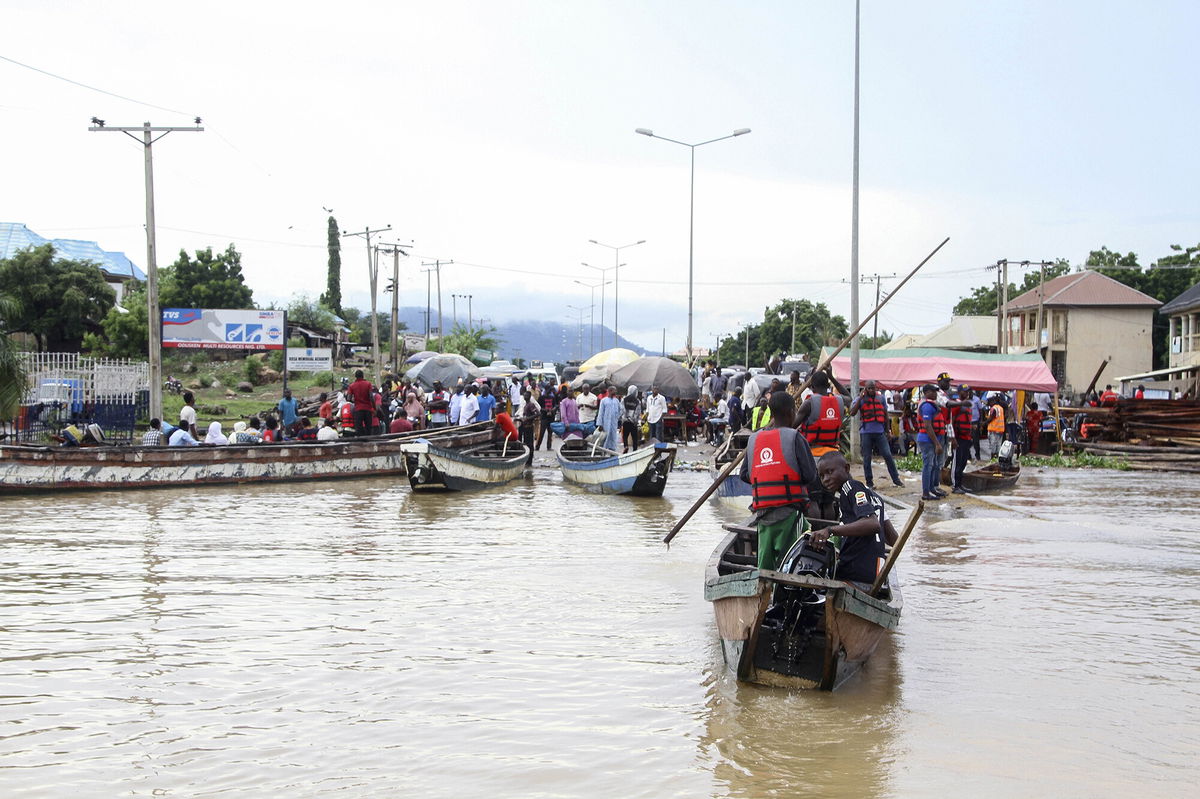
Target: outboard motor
[1005, 456]
[797, 614]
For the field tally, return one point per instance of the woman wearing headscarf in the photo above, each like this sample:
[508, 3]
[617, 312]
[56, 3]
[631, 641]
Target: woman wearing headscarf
[415, 411]
[215, 436]
[631, 419]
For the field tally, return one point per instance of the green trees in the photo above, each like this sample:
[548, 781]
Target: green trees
[332, 298]
[57, 301]
[126, 329]
[466, 342]
[315, 316]
[12, 373]
[815, 327]
[207, 281]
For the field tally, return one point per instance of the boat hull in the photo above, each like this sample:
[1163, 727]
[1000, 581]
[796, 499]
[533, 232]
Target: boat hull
[434, 469]
[52, 469]
[986, 478]
[732, 492]
[850, 624]
[641, 473]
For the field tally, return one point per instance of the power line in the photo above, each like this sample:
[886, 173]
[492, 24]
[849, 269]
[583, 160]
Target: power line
[93, 88]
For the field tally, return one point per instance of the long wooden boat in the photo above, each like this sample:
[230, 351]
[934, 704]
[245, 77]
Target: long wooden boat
[27, 468]
[451, 465]
[641, 473]
[818, 632]
[985, 479]
[732, 492]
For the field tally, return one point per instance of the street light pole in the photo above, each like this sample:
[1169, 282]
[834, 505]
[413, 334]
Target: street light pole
[592, 312]
[691, 215]
[617, 287]
[604, 277]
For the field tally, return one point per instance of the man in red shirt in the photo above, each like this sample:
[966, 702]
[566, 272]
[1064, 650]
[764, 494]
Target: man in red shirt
[359, 393]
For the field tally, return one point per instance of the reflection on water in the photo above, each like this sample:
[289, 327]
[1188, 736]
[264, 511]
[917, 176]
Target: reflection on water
[540, 641]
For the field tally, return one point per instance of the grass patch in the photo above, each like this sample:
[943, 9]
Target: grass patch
[1078, 460]
[910, 462]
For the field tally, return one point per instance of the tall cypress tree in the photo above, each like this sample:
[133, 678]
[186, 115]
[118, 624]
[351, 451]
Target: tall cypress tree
[332, 298]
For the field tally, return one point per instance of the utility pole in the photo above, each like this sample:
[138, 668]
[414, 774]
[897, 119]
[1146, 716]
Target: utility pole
[470, 330]
[747, 346]
[1004, 299]
[664, 349]
[396, 253]
[373, 272]
[437, 267]
[854, 344]
[793, 348]
[154, 314]
[617, 287]
[428, 299]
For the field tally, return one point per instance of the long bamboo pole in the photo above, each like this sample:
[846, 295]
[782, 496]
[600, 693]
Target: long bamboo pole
[824, 363]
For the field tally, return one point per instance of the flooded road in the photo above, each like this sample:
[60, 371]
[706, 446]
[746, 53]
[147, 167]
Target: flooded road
[352, 639]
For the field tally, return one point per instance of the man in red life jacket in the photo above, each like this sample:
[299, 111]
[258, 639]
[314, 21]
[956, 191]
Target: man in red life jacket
[779, 466]
[1109, 397]
[820, 416]
[964, 435]
[873, 431]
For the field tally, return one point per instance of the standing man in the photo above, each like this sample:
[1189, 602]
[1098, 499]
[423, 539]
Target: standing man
[996, 424]
[438, 404]
[359, 393]
[288, 413]
[872, 432]
[609, 418]
[549, 405]
[976, 418]
[527, 420]
[964, 434]
[795, 388]
[187, 415]
[929, 442]
[589, 405]
[484, 404]
[735, 411]
[778, 466]
[820, 416]
[656, 408]
[469, 412]
[719, 384]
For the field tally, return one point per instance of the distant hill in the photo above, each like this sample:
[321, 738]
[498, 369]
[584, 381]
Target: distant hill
[547, 341]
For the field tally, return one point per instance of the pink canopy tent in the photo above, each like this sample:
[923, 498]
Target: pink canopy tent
[908, 368]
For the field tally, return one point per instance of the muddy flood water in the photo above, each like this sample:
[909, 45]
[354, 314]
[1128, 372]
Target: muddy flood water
[351, 639]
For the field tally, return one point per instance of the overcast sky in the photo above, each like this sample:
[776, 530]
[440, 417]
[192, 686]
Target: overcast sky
[501, 135]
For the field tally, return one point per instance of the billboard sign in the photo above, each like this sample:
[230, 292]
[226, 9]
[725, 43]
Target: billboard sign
[305, 359]
[222, 329]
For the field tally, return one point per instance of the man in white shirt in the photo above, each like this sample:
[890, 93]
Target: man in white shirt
[187, 414]
[328, 431]
[588, 404]
[470, 406]
[656, 407]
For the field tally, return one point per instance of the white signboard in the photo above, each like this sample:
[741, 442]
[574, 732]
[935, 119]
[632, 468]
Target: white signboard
[222, 329]
[300, 359]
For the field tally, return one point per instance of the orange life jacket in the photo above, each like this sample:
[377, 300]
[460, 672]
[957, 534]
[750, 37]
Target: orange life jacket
[939, 421]
[826, 430]
[347, 414]
[872, 410]
[961, 419]
[773, 480]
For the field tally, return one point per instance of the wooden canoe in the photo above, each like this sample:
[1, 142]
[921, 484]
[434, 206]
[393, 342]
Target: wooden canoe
[985, 479]
[28, 469]
[462, 465]
[641, 473]
[835, 634]
[732, 492]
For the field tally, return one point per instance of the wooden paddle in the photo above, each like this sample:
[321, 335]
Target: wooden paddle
[823, 364]
[895, 553]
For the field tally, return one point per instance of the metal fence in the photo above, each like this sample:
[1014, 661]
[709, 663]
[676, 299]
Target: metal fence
[67, 388]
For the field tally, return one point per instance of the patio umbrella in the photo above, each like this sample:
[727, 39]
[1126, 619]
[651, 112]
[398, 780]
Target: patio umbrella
[618, 355]
[596, 376]
[671, 378]
[423, 355]
[449, 369]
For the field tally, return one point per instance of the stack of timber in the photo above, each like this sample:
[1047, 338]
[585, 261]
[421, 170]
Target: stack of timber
[1163, 423]
[1146, 457]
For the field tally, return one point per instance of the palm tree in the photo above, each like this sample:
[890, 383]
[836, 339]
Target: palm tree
[13, 380]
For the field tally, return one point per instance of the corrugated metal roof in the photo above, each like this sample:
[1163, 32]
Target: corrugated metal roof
[14, 237]
[1184, 302]
[963, 332]
[1087, 288]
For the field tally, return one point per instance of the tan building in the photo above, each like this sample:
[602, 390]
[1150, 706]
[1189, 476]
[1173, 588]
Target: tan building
[1183, 339]
[1085, 319]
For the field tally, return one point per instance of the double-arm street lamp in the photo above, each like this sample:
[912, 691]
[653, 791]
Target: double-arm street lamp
[616, 288]
[691, 212]
[592, 313]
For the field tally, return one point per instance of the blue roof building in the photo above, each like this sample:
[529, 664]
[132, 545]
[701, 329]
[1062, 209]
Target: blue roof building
[117, 268]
